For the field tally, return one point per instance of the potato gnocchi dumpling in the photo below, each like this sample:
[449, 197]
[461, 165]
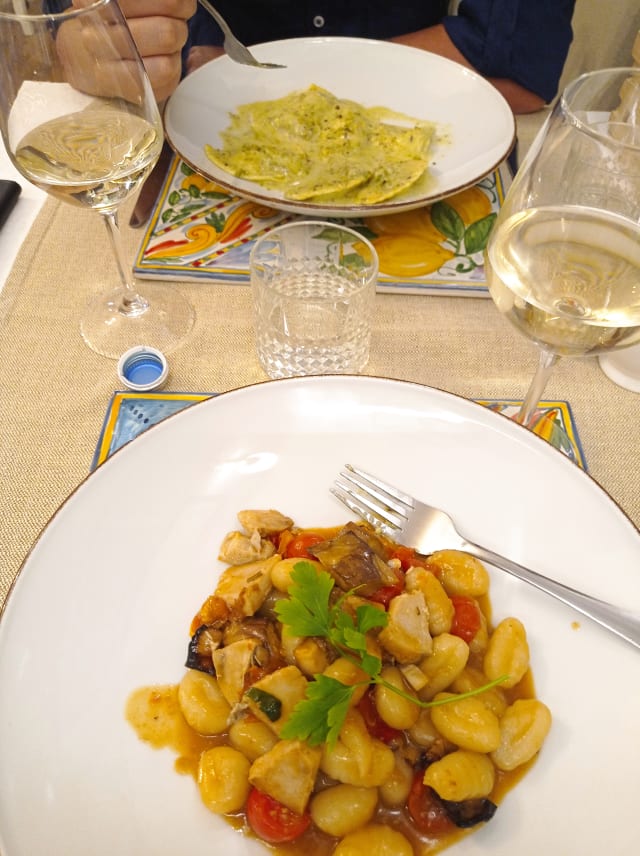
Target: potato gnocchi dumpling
[347, 696]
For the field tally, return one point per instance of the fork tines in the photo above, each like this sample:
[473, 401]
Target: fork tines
[377, 502]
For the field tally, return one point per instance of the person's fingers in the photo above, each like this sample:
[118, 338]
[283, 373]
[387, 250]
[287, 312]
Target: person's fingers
[87, 35]
[96, 66]
[159, 30]
[156, 36]
[179, 9]
[164, 73]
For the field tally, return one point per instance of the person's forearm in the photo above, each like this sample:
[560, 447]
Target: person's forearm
[436, 40]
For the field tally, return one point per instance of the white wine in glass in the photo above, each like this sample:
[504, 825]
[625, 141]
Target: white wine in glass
[563, 258]
[79, 120]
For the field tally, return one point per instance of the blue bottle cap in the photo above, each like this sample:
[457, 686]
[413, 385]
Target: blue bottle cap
[143, 368]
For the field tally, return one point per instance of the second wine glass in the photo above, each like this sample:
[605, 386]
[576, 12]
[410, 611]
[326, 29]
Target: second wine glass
[563, 258]
[79, 120]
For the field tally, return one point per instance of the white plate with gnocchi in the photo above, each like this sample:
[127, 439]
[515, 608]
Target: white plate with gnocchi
[104, 603]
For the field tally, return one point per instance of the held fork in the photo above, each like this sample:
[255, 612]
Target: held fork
[427, 529]
[232, 45]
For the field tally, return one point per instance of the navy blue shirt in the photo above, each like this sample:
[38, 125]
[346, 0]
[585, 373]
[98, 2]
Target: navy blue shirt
[523, 40]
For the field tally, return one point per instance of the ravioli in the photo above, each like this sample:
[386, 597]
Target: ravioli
[312, 146]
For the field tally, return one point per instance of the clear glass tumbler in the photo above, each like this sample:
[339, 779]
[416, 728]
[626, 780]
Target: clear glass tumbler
[314, 286]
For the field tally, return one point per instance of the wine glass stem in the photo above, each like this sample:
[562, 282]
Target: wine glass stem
[546, 365]
[131, 304]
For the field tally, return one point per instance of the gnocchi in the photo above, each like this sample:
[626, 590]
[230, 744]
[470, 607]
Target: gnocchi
[523, 728]
[446, 661]
[202, 703]
[374, 840]
[395, 789]
[466, 722]
[347, 700]
[507, 652]
[342, 809]
[439, 607]
[357, 758]
[461, 775]
[223, 779]
[398, 711]
[251, 737]
[460, 573]
[471, 679]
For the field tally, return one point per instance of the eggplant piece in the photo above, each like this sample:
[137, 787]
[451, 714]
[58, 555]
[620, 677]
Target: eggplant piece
[268, 608]
[255, 627]
[356, 559]
[366, 533]
[469, 812]
[267, 654]
[201, 646]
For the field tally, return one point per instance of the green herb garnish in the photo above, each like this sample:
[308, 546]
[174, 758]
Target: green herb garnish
[319, 717]
[268, 703]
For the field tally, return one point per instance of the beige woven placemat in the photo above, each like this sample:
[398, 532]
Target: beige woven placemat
[54, 391]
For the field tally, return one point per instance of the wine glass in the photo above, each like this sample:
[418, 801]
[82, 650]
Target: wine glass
[563, 257]
[79, 120]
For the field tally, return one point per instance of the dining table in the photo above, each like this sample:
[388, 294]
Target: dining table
[55, 391]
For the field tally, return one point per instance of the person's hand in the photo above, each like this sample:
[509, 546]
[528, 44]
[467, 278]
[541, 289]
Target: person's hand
[159, 29]
[91, 67]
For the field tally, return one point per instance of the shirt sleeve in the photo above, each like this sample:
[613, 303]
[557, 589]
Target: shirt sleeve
[203, 30]
[524, 40]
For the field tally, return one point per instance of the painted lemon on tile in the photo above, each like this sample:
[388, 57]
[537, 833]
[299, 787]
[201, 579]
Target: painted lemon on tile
[420, 242]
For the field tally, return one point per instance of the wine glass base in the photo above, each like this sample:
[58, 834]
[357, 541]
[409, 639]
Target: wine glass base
[164, 322]
[623, 367]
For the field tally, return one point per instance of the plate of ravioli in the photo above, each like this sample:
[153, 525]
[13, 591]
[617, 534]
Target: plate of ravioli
[348, 127]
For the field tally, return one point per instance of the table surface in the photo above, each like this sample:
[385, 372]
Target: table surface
[16, 228]
[54, 391]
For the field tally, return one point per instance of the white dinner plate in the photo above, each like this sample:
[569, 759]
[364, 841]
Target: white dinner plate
[475, 122]
[103, 605]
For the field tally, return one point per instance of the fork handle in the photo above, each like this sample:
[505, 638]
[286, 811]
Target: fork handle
[218, 18]
[618, 621]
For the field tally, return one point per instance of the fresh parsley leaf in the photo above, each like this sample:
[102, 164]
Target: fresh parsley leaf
[341, 619]
[306, 611]
[351, 635]
[320, 716]
[354, 639]
[369, 617]
[371, 664]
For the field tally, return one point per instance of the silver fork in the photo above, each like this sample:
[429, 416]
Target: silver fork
[428, 529]
[234, 48]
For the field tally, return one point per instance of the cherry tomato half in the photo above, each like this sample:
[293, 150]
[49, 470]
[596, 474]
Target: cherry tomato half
[426, 809]
[409, 558]
[272, 821]
[466, 619]
[386, 594]
[376, 726]
[298, 546]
